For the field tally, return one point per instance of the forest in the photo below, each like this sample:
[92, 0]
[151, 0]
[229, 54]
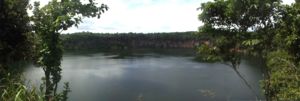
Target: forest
[231, 30]
[123, 41]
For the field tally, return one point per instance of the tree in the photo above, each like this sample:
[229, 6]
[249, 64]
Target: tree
[264, 28]
[283, 62]
[15, 46]
[48, 22]
[231, 25]
[14, 28]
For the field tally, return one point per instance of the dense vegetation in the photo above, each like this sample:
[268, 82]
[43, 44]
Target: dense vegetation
[119, 41]
[18, 37]
[16, 45]
[48, 22]
[14, 29]
[264, 28]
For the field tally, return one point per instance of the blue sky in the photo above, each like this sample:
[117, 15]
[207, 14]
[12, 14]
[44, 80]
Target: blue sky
[145, 16]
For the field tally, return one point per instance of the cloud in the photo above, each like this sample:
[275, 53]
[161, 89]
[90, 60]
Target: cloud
[288, 1]
[145, 16]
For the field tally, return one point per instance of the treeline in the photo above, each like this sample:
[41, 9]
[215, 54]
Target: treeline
[88, 40]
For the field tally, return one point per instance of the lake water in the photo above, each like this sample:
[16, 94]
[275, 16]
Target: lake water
[152, 76]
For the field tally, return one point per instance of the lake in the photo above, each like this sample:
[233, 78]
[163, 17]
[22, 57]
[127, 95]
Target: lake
[152, 76]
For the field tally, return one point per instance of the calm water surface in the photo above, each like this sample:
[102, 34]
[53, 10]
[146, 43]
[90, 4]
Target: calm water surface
[152, 76]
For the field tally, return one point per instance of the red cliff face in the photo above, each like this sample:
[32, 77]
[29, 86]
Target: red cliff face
[163, 44]
[135, 44]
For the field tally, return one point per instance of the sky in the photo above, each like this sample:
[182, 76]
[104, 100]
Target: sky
[144, 16]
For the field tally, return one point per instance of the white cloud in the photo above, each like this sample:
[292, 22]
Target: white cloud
[288, 1]
[145, 16]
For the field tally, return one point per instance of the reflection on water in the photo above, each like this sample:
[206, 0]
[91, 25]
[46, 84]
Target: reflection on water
[208, 93]
[152, 77]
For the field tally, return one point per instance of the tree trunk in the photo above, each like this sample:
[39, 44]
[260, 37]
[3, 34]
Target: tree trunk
[55, 89]
[48, 85]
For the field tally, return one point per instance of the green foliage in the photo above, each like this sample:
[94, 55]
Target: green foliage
[287, 31]
[63, 96]
[227, 23]
[284, 81]
[13, 89]
[14, 28]
[16, 46]
[207, 53]
[256, 27]
[251, 42]
[48, 22]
